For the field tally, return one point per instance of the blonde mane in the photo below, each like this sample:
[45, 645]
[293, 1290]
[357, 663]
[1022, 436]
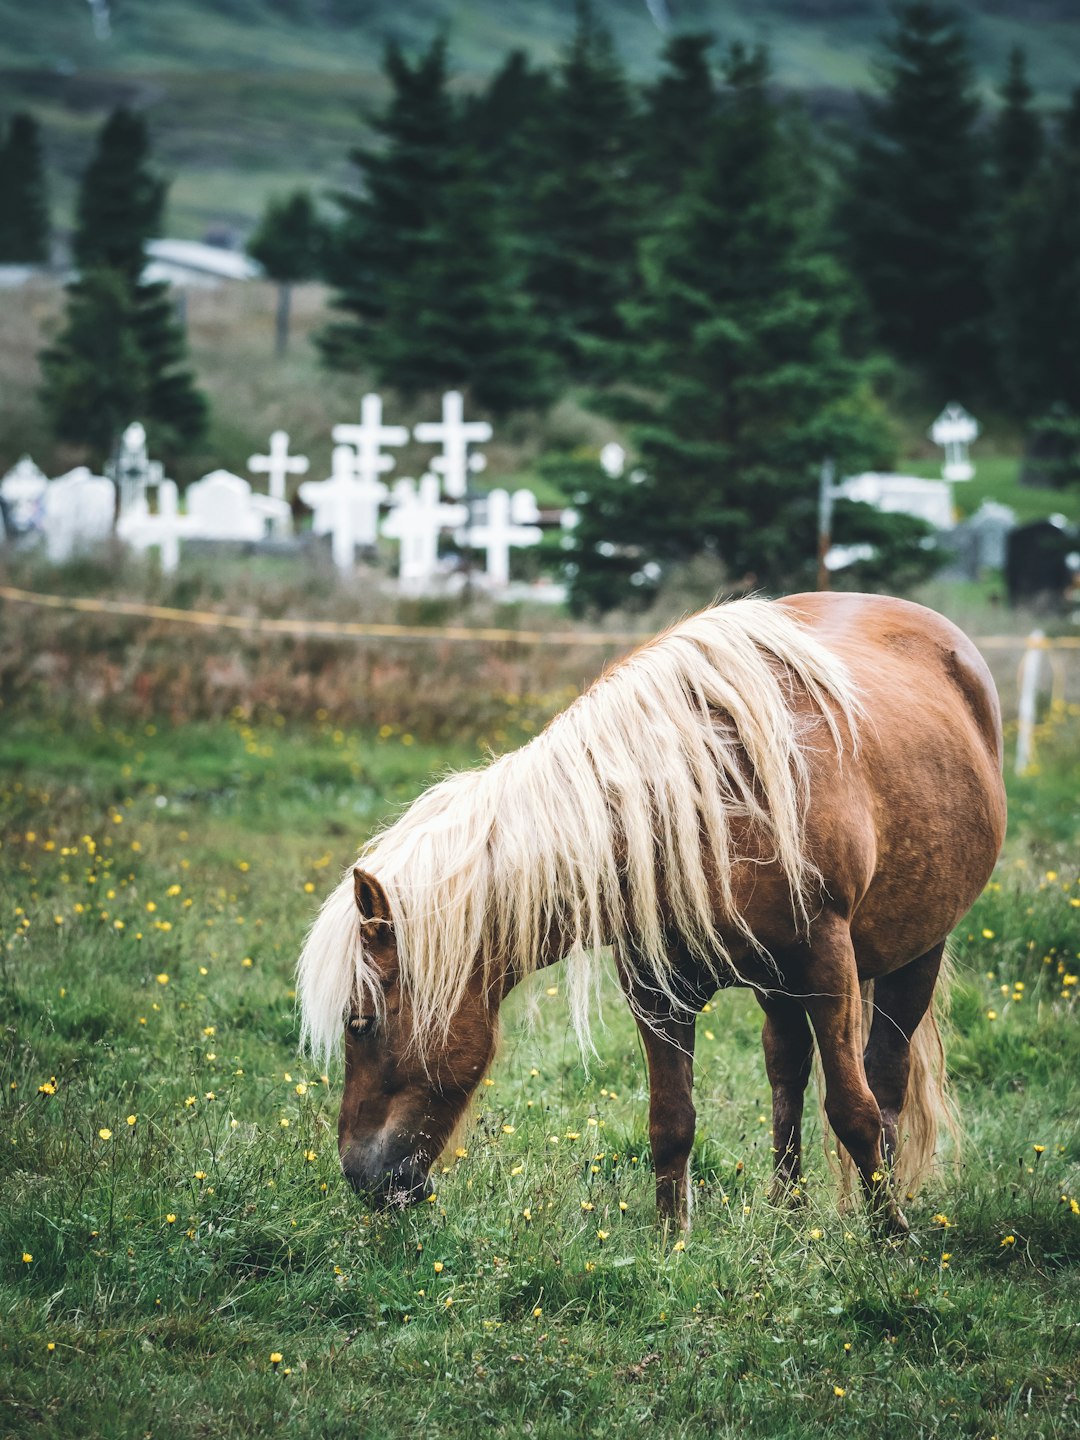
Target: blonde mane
[614, 826]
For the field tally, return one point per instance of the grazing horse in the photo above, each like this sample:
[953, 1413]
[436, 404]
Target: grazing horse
[803, 796]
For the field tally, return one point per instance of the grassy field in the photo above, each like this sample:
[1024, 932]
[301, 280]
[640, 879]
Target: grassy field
[179, 1257]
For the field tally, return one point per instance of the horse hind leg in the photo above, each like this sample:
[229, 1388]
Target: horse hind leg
[901, 1003]
[789, 1052]
[834, 1004]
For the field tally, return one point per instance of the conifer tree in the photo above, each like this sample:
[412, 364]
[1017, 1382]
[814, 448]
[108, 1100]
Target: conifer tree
[24, 211]
[119, 209]
[442, 302]
[502, 121]
[289, 243]
[679, 115]
[403, 177]
[916, 213]
[584, 213]
[1018, 134]
[742, 386]
[1039, 308]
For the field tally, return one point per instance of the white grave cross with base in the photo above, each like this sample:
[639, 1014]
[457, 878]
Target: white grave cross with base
[954, 430]
[278, 465]
[507, 524]
[346, 507]
[416, 520]
[455, 434]
[141, 530]
[368, 438]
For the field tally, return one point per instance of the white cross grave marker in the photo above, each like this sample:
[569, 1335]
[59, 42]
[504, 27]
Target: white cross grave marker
[507, 524]
[346, 507]
[277, 465]
[141, 530]
[368, 438]
[132, 469]
[954, 430]
[416, 520]
[455, 434]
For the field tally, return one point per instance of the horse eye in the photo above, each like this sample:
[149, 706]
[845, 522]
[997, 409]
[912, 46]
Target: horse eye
[361, 1024]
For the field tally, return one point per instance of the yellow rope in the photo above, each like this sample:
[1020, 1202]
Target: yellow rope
[348, 629]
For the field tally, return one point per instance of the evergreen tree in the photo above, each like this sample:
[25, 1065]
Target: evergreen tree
[121, 201]
[96, 376]
[742, 384]
[1018, 135]
[461, 318]
[916, 214]
[500, 122]
[119, 209]
[289, 243]
[404, 177]
[24, 214]
[1039, 308]
[680, 112]
[442, 301]
[583, 218]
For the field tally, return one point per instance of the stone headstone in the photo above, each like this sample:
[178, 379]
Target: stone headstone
[222, 506]
[979, 542]
[929, 500]
[417, 519]
[1037, 568]
[80, 509]
[22, 491]
[455, 434]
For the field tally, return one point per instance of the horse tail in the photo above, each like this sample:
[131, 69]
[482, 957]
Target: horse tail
[928, 1104]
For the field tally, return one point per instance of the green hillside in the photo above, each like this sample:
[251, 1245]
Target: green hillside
[248, 97]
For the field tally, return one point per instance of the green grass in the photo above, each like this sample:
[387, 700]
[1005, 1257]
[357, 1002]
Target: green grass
[997, 477]
[209, 845]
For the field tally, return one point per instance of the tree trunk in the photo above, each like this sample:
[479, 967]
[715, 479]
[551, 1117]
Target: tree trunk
[284, 303]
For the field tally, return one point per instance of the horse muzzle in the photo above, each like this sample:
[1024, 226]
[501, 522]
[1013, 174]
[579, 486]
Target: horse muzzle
[385, 1183]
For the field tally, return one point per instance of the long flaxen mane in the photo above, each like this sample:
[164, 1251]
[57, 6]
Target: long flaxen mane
[613, 826]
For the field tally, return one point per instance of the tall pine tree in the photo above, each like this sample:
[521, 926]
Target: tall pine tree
[404, 175]
[916, 214]
[584, 212]
[679, 115]
[24, 213]
[1018, 134]
[742, 386]
[119, 209]
[1039, 308]
[443, 303]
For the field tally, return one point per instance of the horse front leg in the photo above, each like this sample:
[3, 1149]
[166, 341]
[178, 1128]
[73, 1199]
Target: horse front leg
[667, 1033]
[834, 1004]
[789, 1055]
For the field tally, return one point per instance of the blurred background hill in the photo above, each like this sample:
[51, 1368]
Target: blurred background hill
[248, 97]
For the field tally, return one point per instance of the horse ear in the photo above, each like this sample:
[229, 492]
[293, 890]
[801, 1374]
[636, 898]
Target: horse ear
[371, 898]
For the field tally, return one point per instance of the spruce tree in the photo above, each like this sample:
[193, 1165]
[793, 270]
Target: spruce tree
[1018, 134]
[96, 375]
[584, 211]
[460, 319]
[741, 383]
[916, 213]
[403, 177]
[1039, 308]
[502, 121]
[679, 115]
[289, 243]
[120, 206]
[24, 213]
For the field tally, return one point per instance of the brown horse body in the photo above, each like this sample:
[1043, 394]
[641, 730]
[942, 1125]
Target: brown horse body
[901, 827]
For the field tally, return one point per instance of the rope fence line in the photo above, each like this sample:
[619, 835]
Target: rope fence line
[355, 630]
